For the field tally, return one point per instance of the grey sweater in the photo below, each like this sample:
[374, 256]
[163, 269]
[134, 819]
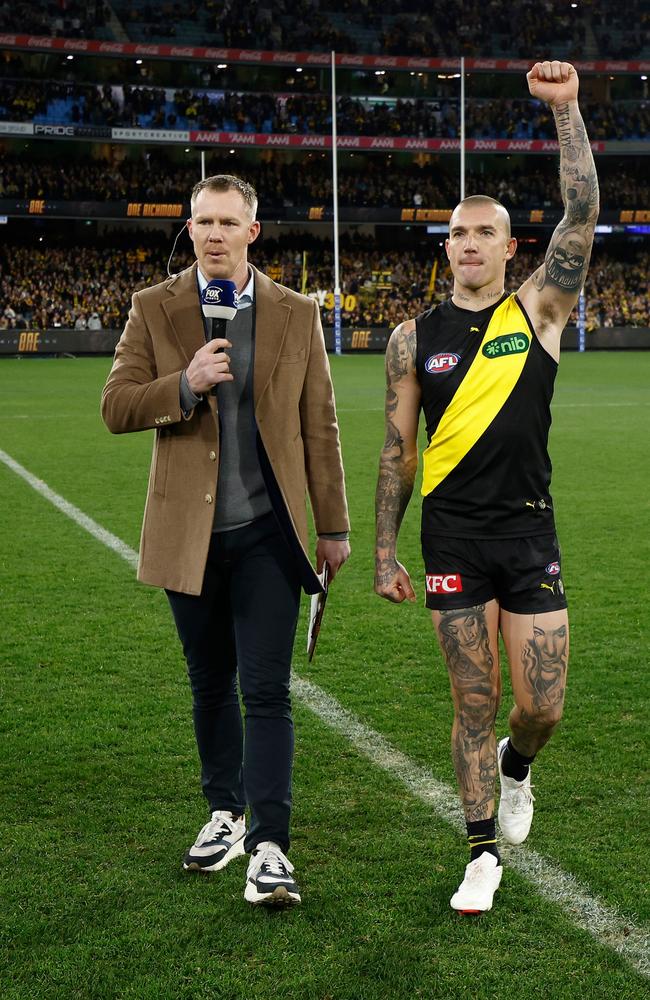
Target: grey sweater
[241, 493]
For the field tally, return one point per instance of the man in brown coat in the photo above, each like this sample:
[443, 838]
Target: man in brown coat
[244, 427]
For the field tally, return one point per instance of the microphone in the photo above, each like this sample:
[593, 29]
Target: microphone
[219, 305]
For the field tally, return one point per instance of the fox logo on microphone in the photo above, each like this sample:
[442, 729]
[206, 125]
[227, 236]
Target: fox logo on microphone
[219, 299]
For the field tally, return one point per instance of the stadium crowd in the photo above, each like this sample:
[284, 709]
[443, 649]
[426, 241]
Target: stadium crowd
[91, 288]
[497, 28]
[71, 19]
[154, 107]
[376, 181]
[592, 29]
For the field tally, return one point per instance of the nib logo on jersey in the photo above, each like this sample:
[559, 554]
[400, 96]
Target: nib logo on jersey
[509, 343]
[444, 583]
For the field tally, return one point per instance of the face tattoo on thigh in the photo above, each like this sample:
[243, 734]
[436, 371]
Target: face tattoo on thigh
[465, 642]
[545, 658]
[464, 638]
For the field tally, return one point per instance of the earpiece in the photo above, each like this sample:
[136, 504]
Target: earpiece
[178, 235]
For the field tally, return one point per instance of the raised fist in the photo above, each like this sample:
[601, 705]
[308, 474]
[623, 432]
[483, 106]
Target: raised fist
[554, 82]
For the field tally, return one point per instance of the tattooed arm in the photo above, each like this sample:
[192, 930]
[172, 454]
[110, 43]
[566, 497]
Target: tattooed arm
[398, 462]
[552, 291]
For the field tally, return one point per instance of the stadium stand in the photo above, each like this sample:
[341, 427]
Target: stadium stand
[408, 27]
[371, 181]
[387, 284]
[383, 269]
[74, 19]
[148, 107]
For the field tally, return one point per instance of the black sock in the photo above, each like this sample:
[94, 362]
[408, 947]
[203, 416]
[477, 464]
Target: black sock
[514, 764]
[482, 837]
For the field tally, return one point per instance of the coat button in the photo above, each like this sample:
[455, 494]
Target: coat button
[213, 456]
[208, 498]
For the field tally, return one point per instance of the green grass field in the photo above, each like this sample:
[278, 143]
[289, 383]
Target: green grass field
[99, 776]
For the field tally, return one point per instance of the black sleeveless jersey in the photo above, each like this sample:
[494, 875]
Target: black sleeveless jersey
[487, 385]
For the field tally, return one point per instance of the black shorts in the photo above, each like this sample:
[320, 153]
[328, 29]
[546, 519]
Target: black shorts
[523, 574]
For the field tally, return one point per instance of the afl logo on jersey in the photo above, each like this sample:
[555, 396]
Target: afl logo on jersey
[439, 363]
[553, 568]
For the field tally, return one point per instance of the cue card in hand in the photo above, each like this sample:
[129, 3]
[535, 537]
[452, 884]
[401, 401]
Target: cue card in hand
[316, 612]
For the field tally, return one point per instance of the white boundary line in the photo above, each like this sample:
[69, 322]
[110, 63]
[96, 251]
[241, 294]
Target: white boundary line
[76, 515]
[604, 923]
[584, 910]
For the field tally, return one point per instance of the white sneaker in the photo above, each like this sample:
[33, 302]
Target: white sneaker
[218, 842]
[269, 877]
[476, 891]
[516, 803]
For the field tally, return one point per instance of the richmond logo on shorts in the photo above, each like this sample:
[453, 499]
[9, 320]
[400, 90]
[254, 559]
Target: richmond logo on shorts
[444, 583]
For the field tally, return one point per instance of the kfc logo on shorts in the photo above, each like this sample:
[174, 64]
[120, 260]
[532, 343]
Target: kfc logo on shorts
[439, 363]
[553, 568]
[444, 583]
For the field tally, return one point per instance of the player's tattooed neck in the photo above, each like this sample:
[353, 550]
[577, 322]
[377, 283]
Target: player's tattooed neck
[484, 297]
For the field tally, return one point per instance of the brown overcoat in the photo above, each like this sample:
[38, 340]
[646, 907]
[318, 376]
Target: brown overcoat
[294, 411]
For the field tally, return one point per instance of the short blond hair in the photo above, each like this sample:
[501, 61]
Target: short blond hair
[227, 182]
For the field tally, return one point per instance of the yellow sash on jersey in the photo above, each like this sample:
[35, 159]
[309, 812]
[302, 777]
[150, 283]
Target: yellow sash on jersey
[490, 379]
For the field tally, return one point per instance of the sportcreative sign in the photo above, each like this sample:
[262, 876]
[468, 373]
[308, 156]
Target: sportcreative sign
[150, 135]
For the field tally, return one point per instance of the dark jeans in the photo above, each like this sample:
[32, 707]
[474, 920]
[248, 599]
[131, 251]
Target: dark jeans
[244, 622]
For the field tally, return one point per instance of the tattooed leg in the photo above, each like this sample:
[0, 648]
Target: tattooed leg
[538, 651]
[468, 639]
